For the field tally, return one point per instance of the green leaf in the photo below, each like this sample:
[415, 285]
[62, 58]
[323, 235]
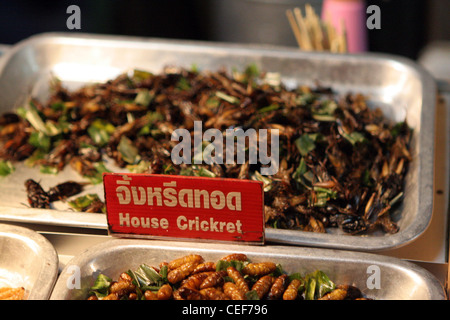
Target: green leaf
[82, 202]
[272, 107]
[140, 75]
[141, 167]
[101, 286]
[222, 265]
[37, 155]
[40, 140]
[128, 150]
[48, 169]
[100, 131]
[6, 168]
[354, 137]
[267, 182]
[317, 285]
[251, 295]
[305, 144]
[228, 98]
[98, 176]
[183, 84]
[144, 97]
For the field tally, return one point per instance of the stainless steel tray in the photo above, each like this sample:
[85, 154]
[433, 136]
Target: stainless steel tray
[399, 280]
[396, 85]
[28, 260]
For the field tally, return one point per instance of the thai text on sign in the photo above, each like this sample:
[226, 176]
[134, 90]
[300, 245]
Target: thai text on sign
[147, 205]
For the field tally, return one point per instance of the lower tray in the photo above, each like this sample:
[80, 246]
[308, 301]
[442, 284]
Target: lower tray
[344, 267]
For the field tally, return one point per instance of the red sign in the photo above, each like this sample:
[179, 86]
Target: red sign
[150, 205]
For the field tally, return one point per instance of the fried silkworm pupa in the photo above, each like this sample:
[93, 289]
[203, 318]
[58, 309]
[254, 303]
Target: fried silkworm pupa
[291, 292]
[279, 286]
[259, 268]
[192, 258]
[123, 286]
[205, 266]
[236, 257]
[150, 295]
[263, 285]
[178, 274]
[214, 279]
[213, 294]
[189, 294]
[232, 291]
[195, 280]
[165, 292]
[238, 279]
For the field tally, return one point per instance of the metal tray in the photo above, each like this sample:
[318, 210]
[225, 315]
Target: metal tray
[399, 280]
[28, 260]
[398, 86]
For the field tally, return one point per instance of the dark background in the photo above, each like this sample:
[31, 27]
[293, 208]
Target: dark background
[407, 25]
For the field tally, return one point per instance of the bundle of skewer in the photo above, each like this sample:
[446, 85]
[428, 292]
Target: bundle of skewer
[315, 34]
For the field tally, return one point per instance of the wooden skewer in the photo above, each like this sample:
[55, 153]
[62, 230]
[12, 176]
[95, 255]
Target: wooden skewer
[311, 33]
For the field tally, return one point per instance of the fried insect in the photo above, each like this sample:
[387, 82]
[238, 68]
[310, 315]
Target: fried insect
[64, 190]
[263, 285]
[259, 269]
[236, 257]
[238, 279]
[189, 294]
[123, 286]
[37, 197]
[232, 291]
[291, 292]
[213, 294]
[206, 266]
[195, 280]
[178, 274]
[150, 295]
[279, 286]
[214, 279]
[164, 292]
[192, 258]
[7, 293]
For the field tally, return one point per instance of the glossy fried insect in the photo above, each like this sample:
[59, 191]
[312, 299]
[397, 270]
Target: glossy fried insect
[213, 294]
[259, 268]
[263, 285]
[206, 266]
[150, 295]
[238, 279]
[123, 286]
[189, 294]
[232, 291]
[279, 286]
[65, 190]
[195, 280]
[178, 274]
[37, 197]
[214, 279]
[165, 292]
[192, 258]
[291, 292]
[236, 257]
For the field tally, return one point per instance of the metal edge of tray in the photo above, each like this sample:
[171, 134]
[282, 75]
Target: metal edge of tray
[333, 262]
[48, 273]
[365, 243]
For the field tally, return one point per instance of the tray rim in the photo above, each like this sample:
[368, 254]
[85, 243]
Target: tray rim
[43, 286]
[369, 243]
